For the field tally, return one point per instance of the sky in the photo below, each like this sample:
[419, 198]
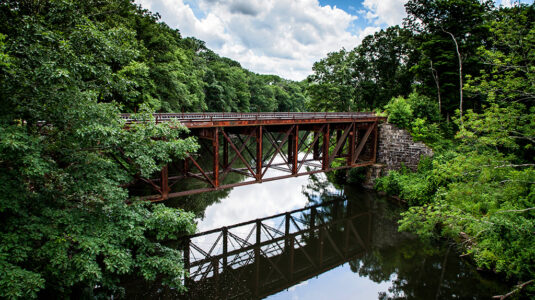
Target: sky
[281, 37]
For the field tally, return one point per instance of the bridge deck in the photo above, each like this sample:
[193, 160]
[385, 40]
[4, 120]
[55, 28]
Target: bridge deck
[204, 120]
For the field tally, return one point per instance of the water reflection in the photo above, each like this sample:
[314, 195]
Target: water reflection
[348, 248]
[230, 206]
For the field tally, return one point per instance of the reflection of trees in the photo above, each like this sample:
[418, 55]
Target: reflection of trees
[198, 203]
[320, 189]
[416, 269]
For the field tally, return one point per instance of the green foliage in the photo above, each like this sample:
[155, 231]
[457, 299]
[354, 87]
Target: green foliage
[365, 77]
[415, 188]
[437, 70]
[481, 193]
[478, 189]
[399, 112]
[67, 69]
[356, 175]
[510, 76]
[426, 132]
[509, 128]
[423, 107]
[65, 153]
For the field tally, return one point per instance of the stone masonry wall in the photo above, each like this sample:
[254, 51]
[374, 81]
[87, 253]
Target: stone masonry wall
[396, 147]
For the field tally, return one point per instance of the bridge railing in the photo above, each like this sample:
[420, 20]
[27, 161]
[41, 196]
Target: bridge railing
[229, 116]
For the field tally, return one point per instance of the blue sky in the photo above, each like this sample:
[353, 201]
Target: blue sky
[282, 37]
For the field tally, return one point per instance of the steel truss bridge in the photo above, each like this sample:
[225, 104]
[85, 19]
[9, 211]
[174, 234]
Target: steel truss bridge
[261, 257]
[261, 147]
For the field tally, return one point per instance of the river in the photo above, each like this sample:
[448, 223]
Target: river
[361, 253]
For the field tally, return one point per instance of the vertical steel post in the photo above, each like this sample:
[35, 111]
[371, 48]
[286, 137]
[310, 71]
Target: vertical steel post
[257, 257]
[259, 138]
[215, 266]
[164, 182]
[338, 137]
[225, 247]
[295, 150]
[292, 256]
[325, 150]
[186, 259]
[375, 131]
[351, 152]
[290, 146]
[215, 144]
[286, 231]
[186, 166]
[225, 153]
[312, 218]
[320, 248]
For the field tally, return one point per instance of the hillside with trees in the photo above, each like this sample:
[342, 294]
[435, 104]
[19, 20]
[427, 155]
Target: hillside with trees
[460, 76]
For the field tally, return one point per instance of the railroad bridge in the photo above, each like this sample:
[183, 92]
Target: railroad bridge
[261, 147]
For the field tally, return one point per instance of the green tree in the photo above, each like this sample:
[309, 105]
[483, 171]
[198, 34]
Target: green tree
[331, 87]
[447, 34]
[65, 225]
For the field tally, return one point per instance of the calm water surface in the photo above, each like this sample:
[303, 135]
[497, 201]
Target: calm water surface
[358, 255]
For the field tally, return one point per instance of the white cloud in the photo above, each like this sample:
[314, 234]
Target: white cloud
[282, 37]
[389, 12]
[509, 3]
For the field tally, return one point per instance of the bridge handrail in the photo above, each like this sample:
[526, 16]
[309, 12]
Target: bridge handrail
[162, 117]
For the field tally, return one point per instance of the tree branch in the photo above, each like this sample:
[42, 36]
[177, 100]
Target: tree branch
[516, 210]
[516, 290]
[460, 75]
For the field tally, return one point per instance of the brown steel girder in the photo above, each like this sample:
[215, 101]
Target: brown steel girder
[258, 147]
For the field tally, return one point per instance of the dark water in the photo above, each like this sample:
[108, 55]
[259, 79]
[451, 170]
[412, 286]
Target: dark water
[336, 243]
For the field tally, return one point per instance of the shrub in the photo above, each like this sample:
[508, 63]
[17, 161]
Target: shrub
[399, 112]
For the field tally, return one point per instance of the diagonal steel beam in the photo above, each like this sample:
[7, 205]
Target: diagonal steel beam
[277, 147]
[310, 147]
[238, 152]
[247, 148]
[273, 142]
[363, 142]
[341, 141]
[229, 166]
[202, 171]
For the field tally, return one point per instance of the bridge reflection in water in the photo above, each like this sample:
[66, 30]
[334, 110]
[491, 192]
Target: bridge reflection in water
[261, 257]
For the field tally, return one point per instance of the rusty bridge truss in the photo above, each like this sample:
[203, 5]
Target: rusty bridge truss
[261, 147]
[257, 258]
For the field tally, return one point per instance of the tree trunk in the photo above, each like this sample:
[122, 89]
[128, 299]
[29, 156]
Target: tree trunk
[437, 83]
[460, 75]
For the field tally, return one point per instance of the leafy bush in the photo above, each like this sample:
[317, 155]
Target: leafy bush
[421, 130]
[399, 112]
[356, 175]
[423, 107]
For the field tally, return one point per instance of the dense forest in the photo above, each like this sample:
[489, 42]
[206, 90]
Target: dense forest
[458, 74]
